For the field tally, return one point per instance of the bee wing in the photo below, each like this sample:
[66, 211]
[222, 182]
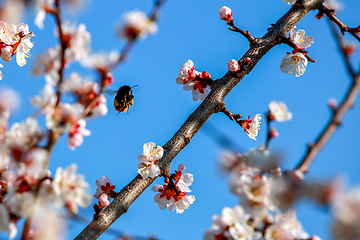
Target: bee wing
[111, 92]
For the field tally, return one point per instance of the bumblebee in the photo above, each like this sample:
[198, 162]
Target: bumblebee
[124, 99]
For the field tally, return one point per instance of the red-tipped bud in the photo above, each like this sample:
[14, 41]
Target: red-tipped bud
[226, 14]
[274, 133]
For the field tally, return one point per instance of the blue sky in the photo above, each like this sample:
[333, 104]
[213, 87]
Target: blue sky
[193, 30]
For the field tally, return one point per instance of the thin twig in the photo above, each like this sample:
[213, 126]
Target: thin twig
[246, 33]
[338, 113]
[343, 28]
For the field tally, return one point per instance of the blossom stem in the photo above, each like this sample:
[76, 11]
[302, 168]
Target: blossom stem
[246, 33]
[345, 56]
[63, 45]
[231, 116]
[343, 28]
[269, 136]
[287, 41]
[30, 219]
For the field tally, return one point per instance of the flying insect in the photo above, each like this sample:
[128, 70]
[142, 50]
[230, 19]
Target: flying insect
[124, 99]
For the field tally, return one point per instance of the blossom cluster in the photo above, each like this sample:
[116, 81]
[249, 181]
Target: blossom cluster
[197, 82]
[174, 193]
[296, 62]
[15, 39]
[104, 190]
[26, 183]
[262, 190]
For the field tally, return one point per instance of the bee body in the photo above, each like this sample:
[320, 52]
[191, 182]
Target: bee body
[123, 99]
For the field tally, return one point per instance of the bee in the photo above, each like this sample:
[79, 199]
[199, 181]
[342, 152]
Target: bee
[124, 99]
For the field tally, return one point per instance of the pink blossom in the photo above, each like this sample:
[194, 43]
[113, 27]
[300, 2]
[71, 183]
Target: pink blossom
[103, 185]
[77, 133]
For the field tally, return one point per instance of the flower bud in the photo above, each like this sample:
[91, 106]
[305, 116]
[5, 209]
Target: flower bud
[233, 65]
[226, 14]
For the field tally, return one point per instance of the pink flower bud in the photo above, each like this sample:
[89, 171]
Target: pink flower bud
[233, 65]
[274, 133]
[332, 103]
[225, 14]
[103, 201]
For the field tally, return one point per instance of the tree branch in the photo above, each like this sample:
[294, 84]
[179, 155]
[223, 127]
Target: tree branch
[213, 103]
[338, 113]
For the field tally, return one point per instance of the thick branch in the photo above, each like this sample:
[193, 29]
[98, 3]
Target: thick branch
[212, 104]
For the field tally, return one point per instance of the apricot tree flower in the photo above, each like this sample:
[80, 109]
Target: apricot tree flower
[251, 126]
[231, 224]
[42, 6]
[300, 39]
[225, 14]
[194, 81]
[173, 195]
[71, 188]
[148, 160]
[294, 64]
[279, 111]
[104, 188]
[103, 185]
[77, 133]
[101, 61]
[16, 37]
[137, 25]
[79, 40]
[49, 64]
[286, 226]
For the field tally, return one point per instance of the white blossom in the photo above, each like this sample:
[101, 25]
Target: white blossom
[40, 7]
[137, 25]
[49, 64]
[346, 211]
[71, 188]
[197, 93]
[286, 226]
[280, 111]
[231, 224]
[77, 133]
[103, 184]
[148, 160]
[101, 61]
[294, 64]
[300, 39]
[251, 126]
